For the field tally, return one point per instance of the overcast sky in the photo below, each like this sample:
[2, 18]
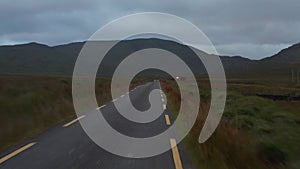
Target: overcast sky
[253, 29]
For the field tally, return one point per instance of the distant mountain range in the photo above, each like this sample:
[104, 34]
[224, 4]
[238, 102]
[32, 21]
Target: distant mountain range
[34, 58]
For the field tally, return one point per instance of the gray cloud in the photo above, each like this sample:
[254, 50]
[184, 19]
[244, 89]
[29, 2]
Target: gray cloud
[254, 29]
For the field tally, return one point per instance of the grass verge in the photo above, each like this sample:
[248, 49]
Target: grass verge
[254, 133]
[31, 104]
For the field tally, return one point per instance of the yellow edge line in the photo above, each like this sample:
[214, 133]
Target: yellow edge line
[3, 159]
[176, 156]
[167, 119]
[73, 121]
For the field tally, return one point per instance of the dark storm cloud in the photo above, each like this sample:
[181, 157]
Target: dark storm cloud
[253, 29]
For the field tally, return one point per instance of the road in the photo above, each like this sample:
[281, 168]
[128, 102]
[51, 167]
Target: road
[67, 146]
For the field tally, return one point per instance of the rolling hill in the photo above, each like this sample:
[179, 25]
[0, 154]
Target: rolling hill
[34, 58]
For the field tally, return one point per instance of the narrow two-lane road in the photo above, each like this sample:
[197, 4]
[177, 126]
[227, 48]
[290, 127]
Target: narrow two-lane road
[67, 146]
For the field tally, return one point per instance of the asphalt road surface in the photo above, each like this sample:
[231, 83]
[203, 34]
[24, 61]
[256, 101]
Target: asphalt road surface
[67, 146]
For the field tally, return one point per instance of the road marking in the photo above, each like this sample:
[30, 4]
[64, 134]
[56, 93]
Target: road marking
[115, 100]
[167, 119]
[176, 156]
[122, 95]
[3, 159]
[164, 106]
[74, 121]
[162, 100]
[101, 107]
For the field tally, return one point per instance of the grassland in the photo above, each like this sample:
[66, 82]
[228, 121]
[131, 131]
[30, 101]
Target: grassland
[31, 104]
[254, 132]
